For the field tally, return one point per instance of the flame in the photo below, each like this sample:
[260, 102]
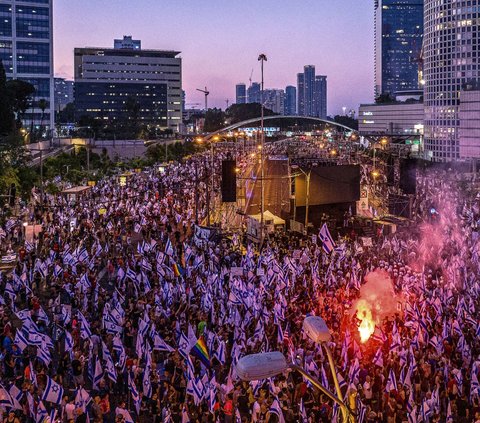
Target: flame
[367, 324]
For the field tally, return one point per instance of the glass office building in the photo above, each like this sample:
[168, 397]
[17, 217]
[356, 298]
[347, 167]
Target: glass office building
[240, 93]
[398, 45]
[451, 64]
[26, 50]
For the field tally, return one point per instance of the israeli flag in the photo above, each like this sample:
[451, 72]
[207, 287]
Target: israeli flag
[328, 244]
[53, 392]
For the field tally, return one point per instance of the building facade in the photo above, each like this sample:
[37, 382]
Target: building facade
[240, 93]
[469, 129]
[127, 42]
[301, 94]
[311, 93]
[309, 90]
[106, 78]
[398, 44]
[63, 93]
[320, 100]
[274, 99]
[393, 118]
[290, 100]
[254, 93]
[451, 62]
[26, 50]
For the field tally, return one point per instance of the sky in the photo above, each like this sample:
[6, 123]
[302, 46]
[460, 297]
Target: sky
[220, 41]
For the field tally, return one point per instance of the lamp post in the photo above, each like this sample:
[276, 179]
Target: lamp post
[266, 365]
[307, 194]
[262, 58]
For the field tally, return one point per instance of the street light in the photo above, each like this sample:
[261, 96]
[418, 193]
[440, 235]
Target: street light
[307, 193]
[269, 364]
[317, 330]
[262, 58]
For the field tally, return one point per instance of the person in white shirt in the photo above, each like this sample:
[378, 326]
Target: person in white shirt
[367, 390]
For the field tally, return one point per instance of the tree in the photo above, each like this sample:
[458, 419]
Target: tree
[240, 112]
[214, 120]
[6, 114]
[347, 121]
[19, 93]
[67, 115]
[384, 98]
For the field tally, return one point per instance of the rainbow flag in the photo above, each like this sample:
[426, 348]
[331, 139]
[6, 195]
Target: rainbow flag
[200, 351]
[178, 270]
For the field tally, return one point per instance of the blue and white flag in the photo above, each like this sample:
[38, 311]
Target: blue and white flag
[391, 382]
[82, 399]
[98, 375]
[53, 392]
[5, 398]
[16, 395]
[328, 244]
[275, 408]
[85, 331]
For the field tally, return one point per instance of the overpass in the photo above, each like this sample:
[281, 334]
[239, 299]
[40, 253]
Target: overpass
[285, 119]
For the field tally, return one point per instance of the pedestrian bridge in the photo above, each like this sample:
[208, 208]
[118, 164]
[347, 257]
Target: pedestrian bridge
[285, 122]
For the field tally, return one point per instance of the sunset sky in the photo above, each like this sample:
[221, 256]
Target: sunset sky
[220, 41]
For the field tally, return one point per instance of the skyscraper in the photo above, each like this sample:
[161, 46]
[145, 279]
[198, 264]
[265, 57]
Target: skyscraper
[240, 93]
[320, 96]
[301, 94]
[26, 49]
[290, 100]
[106, 78]
[312, 93]
[451, 61]
[274, 100]
[254, 93]
[398, 43]
[63, 93]
[309, 90]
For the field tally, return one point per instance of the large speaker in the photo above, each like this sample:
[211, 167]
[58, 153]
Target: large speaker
[229, 181]
[408, 176]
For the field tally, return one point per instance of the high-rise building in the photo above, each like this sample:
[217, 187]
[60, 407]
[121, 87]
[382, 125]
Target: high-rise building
[240, 93]
[301, 94]
[26, 50]
[320, 105]
[105, 79]
[127, 42]
[309, 90]
[451, 61]
[274, 100]
[63, 93]
[312, 93]
[254, 93]
[290, 100]
[398, 45]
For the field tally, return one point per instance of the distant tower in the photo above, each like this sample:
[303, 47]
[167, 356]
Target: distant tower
[321, 96]
[301, 94]
[240, 93]
[290, 100]
[309, 90]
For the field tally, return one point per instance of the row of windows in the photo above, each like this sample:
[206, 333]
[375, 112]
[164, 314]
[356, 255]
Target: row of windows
[130, 71]
[32, 11]
[166, 65]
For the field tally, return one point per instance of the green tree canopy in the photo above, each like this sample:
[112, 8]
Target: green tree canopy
[240, 112]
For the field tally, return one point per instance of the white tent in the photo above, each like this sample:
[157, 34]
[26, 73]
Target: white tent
[269, 218]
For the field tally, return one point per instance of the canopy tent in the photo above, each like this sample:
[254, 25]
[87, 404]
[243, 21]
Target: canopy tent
[268, 218]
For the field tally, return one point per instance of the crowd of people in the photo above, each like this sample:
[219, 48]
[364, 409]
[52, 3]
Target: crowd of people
[124, 309]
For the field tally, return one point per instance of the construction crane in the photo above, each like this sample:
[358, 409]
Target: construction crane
[206, 92]
[227, 101]
[250, 79]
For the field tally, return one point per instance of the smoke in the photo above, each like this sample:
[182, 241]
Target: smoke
[377, 300]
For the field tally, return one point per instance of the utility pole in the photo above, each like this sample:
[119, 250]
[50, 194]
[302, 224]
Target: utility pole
[262, 58]
[307, 177]
[207, 186]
